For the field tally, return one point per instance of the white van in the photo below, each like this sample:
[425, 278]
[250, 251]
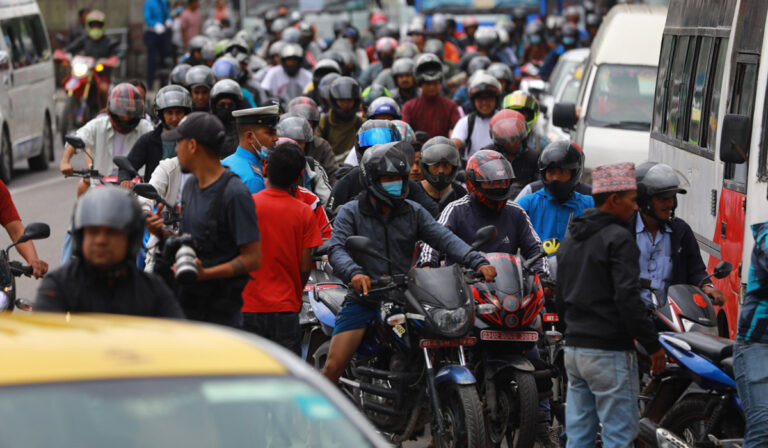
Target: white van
[611, 119]
[27, 86]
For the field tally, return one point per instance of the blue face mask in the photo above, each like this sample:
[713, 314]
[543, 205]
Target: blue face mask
[535, 39]
[395, 188]
[569, 41]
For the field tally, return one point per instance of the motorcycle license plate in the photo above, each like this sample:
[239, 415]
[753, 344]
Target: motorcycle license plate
[440, 343]
[524, 336]
[551, 317]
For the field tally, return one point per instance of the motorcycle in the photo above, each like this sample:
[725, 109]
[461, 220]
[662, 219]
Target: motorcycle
[410, 368]
[507, 379]
[86, 74]
[9, 270]
[94, 177]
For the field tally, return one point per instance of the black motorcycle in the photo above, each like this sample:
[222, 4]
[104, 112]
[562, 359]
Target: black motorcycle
[9, 270]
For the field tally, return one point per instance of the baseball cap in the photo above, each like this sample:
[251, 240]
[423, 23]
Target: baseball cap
[205, 128]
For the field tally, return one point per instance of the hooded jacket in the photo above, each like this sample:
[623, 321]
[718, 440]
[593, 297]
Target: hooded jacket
[598, 286]
[753, 320]
[550, 218]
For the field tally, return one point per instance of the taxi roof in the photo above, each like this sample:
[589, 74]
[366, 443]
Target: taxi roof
[42, 347]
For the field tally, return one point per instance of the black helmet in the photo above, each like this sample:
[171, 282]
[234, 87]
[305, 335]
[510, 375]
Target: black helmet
[169, 97]
[478, 62]
[296, 128]
[322, 68]
[489, 166]
[304, 106]
[657, 179]
[566, 156]
[345, 88]
[375, 132]
[385, 160]
[483, 83]
[436, 150]
[179, 73]
[199, 75]
[435, 47]
[428, 68]
[111, 207]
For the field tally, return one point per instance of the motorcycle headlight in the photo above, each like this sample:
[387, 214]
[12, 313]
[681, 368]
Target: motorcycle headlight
[451, 323]
[5, 301]
[79, 69]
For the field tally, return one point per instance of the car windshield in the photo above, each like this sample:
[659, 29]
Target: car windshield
[175, 412]
[622, 97]
[571, 91]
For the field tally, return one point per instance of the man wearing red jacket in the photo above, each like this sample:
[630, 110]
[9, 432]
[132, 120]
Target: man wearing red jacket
[431, 112]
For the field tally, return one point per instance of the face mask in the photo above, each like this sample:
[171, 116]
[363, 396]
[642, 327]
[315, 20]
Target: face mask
[224, 114]
[535, 39]
[394, 188]
[263, 153]
[291, 70]
[96, 33]
[179, 10]
[568, 41]
[561, 191]
[440, 181]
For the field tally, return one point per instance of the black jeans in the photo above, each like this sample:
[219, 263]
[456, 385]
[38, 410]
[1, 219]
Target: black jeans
[157, 46]
[215, 301]
[280, 328]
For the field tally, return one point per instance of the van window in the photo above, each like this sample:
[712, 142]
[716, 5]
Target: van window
[674, 102]
[34, 25]
[714, 96]
[18, 40]
[742, 103]
[699, 90]
[622, 97]
[662, 82]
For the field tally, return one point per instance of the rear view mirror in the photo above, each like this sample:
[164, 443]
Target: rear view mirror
[147, 191]
[75, 141]
[124, 164]
[564, 115]
[735, 137]
[35, 231]
[483, 235]
[723, 269]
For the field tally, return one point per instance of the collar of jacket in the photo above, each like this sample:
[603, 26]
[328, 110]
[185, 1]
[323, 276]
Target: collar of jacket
[366, 207]
[570, 203]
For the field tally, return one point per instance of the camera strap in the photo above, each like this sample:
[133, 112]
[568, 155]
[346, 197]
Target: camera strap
[212, 229]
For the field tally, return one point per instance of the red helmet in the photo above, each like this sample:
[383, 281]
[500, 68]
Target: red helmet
[489, 166]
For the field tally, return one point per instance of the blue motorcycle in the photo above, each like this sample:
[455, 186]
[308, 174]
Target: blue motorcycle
[410, 369]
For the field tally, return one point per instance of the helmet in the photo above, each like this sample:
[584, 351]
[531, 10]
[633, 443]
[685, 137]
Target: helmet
[439, 25]
[436, 150]
[483, 83]
[519, 14]
[197, 43]
[478, 62]
[377, 18]
[275, 49]
[255, 63]
[403, 66]
[486, 37]
[291, 51]
[94, 23]
[428, 68]
[406, 50]
[388, 30]
[245, 36]
[507, 130]
[238, 48]
[199, 75]
[226, 87]
[322, 68]
[489, 166]
[534, 28]
[279, 25]
[500, 71]
[593, 20]
[340, 26]
[523, 102]
[179, 73]
[208, 52]
[296, 128]
[569, 34]
[220, 47]
[172, 96]
[572, 12]
[295, 17]
[657, 179]
[125, 99]
[406, 131]
[373, 92]
[386, 44]
[344, 88]
[385, 160]
[436, 47]
[566, 156]
[213, 32]
[306, 31]
[383, 106]
[352, 32]
[304, 106]
[375, 132]
[325, 87]
[415, 28]
[226, 67]
[270, 15]
[111, 207]
[469, 21]
[291, 35]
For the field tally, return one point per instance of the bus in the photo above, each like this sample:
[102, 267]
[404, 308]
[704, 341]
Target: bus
[708, 122]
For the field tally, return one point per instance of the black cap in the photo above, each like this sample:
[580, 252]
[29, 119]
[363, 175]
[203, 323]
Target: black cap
[205, 128]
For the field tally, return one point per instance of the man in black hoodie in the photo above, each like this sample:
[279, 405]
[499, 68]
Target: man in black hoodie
[598, 291]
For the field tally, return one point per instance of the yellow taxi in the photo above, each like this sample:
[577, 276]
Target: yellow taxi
[120, 381]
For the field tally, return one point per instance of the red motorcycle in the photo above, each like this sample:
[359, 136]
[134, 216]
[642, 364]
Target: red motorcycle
[86, 74]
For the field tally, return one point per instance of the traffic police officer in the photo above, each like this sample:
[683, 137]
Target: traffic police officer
[257, 135]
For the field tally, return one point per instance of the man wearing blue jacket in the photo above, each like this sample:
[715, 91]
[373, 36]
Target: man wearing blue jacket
[394, 225]
[157, 20]
[558, 203]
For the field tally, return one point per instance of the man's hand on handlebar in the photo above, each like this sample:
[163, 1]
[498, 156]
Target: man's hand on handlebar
[718, 298]
[39, 268]
[155, 222]
[488, 271]
[362, 283]
[66, 168]
[127, 184]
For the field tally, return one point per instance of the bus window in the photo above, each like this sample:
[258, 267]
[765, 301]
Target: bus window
[742, 103]
[721, 48]
[675, 86]
[662, 82]
[690, 58]
[699, 90]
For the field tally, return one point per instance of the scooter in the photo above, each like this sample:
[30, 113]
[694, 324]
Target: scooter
[9, 270]
[411, 368]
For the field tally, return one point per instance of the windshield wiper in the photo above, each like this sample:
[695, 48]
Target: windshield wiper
[628, 124]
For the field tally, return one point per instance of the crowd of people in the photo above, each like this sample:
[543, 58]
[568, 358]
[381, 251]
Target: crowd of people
[414, 140]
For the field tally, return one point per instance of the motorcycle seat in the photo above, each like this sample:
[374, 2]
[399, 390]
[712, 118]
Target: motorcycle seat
[727, 366]
[712, 347]
[332, 298]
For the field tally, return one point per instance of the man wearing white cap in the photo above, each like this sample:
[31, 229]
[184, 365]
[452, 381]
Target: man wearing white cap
[257, 134]
[598, 293]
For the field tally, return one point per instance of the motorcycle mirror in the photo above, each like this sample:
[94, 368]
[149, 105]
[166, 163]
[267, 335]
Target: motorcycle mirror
[75, 141]
[723, 269]
[484, 235]
[147, 191]
[529, 263]
[124, 164]
[23, 304]
[34, 231]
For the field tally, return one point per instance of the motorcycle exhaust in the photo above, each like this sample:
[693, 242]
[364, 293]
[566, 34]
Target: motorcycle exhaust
[654, 436]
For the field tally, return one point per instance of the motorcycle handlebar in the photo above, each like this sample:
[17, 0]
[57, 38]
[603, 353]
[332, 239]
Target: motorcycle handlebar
[19, 269]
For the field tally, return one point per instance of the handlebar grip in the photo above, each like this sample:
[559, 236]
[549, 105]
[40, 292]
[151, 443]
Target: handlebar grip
[18, 269]
[80, 172]
[380, 282]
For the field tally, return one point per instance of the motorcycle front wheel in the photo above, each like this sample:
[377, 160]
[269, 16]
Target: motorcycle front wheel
[462, 414]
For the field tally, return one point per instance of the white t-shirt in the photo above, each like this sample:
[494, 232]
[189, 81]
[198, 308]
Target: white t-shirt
[481, 135]
[276, 81]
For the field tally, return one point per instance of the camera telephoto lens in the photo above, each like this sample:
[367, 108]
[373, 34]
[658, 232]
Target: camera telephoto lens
[186, 267]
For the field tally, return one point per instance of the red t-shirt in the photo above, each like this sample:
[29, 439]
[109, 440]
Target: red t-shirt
[8, 211]
[287, 226]
[435, 116]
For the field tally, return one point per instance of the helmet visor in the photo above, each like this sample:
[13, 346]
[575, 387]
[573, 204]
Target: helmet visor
[509, 131]
[494, 170]
[377, 136]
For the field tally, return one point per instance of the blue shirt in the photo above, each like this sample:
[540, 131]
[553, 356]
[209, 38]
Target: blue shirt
[655, 260]
[248, 167]
[549, 217]
[155, 11]
[753, 320]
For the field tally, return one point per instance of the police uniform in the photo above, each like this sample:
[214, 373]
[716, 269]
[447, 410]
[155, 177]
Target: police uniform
[246, 163]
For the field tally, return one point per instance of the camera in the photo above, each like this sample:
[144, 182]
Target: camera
[181, 250]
